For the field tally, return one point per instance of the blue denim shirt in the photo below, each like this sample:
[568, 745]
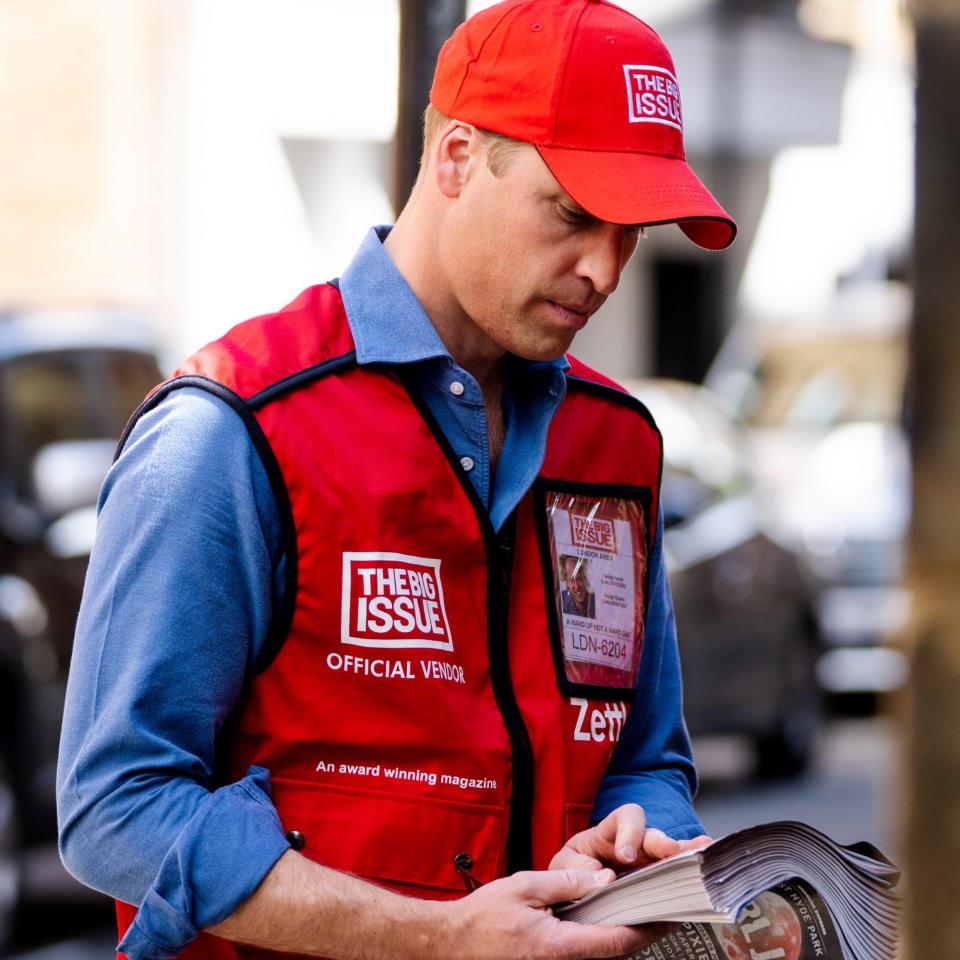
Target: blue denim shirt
[186, 571]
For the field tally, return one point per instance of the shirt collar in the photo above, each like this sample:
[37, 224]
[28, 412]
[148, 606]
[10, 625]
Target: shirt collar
[388, 323]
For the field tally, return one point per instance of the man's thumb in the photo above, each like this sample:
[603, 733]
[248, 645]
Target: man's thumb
[561, 886]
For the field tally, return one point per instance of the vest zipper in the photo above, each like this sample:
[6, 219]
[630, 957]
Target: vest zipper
[500, 550]
[500, 570]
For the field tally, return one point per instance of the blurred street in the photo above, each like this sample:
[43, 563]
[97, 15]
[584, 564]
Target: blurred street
[160, 185]
[850, 793]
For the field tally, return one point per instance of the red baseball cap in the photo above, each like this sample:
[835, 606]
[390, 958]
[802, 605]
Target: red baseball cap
[595, 91]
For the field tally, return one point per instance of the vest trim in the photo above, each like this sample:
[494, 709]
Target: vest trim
[614, 393]
[280, 623]
[623, 491]
[500, 551]
[302, 378]
[627, 400]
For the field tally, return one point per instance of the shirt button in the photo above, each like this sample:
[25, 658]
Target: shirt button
[456, 388]
[466, 463]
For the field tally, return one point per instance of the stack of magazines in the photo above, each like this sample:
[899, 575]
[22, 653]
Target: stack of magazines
[777, 891]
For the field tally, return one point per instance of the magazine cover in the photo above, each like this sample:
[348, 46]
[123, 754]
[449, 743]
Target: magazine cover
[788, 922]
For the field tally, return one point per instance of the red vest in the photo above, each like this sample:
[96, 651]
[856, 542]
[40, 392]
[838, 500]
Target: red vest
[436, 700]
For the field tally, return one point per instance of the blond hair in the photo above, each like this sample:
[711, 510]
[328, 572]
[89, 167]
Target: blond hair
[500, 149]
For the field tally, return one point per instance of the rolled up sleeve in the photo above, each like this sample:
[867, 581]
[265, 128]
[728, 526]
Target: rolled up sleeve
[180, 591]
[204, 875]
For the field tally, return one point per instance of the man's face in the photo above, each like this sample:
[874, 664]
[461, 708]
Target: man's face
[526, 264]
[576, 582]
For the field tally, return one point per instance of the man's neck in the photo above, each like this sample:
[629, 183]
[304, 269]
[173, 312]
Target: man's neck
[470, 348]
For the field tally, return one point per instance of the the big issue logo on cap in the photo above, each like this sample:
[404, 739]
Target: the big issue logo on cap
[653, 95]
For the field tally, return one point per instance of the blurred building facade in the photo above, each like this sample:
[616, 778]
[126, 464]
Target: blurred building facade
[88, 153]
[201, 161]
[204, 160]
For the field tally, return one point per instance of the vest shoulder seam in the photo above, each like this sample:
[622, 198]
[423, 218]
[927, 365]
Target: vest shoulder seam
[616, 395]
[301, 378]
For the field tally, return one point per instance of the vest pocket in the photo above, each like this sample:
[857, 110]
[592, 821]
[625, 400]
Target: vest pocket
[576, 817]
[410, 844]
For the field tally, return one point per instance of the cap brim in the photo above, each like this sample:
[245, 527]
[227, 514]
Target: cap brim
[642, 188]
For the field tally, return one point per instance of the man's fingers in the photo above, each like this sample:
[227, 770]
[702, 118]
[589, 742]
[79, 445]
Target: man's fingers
[616, 839]
[546, 887]
[569, 859]
[696, 843]
[631, 822]
[596, 942]
[657, 845]
[621, 839]
[511, 917]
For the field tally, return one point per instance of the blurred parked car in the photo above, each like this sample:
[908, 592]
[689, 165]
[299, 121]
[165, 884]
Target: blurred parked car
[748, 638]
[823, 409]
[68, 383]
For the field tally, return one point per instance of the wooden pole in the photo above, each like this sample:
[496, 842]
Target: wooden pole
[933, 716]
[424, 27]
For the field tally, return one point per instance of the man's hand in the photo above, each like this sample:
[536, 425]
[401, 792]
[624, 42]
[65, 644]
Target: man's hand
[302, 907]
[620, 841]
[512, 918]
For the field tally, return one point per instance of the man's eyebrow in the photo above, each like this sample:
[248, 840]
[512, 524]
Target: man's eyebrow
[567, 201]
[579, 211]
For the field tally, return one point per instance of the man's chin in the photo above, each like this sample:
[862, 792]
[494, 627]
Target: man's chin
[553, 349]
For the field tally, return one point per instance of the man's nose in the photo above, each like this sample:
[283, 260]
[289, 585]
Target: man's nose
[606, 249]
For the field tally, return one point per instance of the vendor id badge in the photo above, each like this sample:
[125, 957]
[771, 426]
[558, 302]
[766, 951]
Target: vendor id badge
[596, 552]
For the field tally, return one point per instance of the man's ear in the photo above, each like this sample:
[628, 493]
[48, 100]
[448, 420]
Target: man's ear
[452, 155]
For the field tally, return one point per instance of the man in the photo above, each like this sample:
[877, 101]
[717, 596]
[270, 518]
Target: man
[317, 694]
[576, 598]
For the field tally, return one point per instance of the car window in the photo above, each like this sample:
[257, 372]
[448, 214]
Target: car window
[131, 377]
[43, 404]
[59, 397]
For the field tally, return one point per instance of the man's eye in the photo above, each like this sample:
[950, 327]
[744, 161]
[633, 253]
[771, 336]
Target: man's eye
[573, 216]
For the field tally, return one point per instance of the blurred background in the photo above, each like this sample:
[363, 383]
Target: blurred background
[170, 167]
